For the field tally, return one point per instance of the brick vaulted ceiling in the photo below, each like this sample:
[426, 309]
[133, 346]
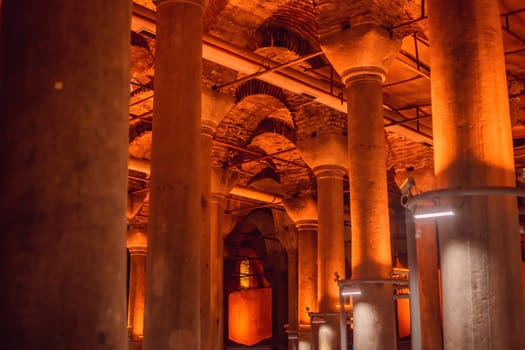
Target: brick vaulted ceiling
[271, 115]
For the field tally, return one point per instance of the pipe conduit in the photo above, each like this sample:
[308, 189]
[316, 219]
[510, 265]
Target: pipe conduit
[144, 166]
[221, 52]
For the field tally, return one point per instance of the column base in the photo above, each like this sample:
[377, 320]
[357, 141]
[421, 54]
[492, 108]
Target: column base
[135, 345]
[305, 339]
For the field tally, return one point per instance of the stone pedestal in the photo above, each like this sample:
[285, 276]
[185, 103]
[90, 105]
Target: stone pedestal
[305, 338]
[361, 55]
[174, 265]
[64, 152]
[479, 246]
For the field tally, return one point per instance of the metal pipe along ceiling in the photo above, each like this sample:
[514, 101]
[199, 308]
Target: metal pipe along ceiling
[225, 54]
[144, 166]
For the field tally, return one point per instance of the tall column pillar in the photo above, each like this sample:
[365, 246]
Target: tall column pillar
[172, 319]
[479, 246]
[307, 261]
[207, 132]
[429, 288]
[293, 323]
[326, 154]
[423, 262]
[361, 55]
[303, 212]
[137, 245]
[64, 140]
[330, 250]
[222, 181]
[214, 106]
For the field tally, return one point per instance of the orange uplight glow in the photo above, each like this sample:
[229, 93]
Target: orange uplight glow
[250, 315]
[138, 324]
[245, 274]
[403, 317]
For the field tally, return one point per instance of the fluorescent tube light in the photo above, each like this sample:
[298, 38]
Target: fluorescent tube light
[436, 214]
[350, 291]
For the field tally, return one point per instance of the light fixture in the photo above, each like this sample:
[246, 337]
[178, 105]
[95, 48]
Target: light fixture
[350, 291]
[432, 214]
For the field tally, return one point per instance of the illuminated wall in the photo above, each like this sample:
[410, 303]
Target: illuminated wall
[250, 315]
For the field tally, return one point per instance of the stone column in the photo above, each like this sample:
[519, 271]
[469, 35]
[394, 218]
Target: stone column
[361, 55]
[479, 246]
[222, 181]
[303, 212]
[172, 319]
[423, 262]
[326, 154]
[214, 106]
[207, 132]
[293, 324]
[64, 141]
[330, 250]
[137, 245]
[429, 288]
[307, 261]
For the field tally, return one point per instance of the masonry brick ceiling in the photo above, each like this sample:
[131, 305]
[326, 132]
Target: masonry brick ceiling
[268, 119]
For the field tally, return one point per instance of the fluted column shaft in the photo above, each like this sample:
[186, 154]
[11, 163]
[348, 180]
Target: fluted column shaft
[330, 249]
[64, 141]
[479, 247]
[173, 293]
[374, 320]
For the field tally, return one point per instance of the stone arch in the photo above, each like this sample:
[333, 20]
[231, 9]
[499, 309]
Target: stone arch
[256, 87]
[294, 27]
[294, 176]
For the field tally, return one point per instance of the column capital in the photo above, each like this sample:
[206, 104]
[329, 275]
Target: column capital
[222, 182]
[307, 225]
[324, 149]
[133, 250]
[137, 239]
[208, 127]
[362, 51]
[200, 3]
[329, 171]
[301, 209]
[214, 106]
